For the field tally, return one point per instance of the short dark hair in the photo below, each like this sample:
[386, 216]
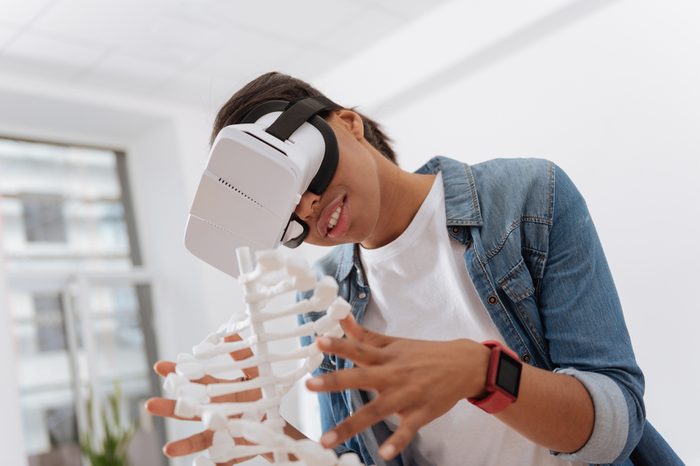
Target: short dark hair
[279, 86]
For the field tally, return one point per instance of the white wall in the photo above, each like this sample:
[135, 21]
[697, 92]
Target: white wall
[612, 97]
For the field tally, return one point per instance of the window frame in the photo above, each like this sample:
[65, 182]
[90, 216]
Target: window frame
[143, 290]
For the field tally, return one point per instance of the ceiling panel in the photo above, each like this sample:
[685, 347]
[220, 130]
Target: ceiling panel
[305, 66]
[106, 22]
[22, 11]
[189, 51]
[7, 31]
[129, 73]
[162, 54]
[48, 56]
[359, 33]
[248, 53]
[204, 91]
[302, 21]
[186, 32]
[407, 9]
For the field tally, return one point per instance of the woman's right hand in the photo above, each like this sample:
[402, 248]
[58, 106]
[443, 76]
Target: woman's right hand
[201, 441]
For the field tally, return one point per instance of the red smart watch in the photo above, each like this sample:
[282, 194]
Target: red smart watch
[502, 379]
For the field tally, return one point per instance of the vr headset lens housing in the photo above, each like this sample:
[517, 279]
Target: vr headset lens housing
[254, 180]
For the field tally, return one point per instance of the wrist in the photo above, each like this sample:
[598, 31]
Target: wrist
[477, 361]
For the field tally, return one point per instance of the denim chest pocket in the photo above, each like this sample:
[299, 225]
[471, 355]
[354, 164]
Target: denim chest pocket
[518, 286]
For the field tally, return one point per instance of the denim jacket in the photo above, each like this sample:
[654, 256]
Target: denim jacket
[533, 253]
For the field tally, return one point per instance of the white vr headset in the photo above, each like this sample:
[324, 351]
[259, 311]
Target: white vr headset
[255, 177]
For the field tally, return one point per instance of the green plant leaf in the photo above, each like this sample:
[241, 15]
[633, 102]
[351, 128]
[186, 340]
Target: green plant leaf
[112, 448]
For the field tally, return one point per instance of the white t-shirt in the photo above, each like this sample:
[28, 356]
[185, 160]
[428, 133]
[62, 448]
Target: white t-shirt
[421, 289]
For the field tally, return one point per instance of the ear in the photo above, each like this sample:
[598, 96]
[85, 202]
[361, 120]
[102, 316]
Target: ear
[351, 121]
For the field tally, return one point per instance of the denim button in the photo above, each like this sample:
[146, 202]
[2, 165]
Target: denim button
[455, 230]
[492, 299]
[526, 358]
[362, 295]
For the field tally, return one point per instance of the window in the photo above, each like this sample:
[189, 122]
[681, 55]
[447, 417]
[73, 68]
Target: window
[61, 425]
[50, 332]
[77, 298]
[43, 218]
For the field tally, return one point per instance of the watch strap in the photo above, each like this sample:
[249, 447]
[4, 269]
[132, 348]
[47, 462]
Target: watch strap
[497, 399]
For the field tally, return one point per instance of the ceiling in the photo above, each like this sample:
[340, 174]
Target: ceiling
[194, 52]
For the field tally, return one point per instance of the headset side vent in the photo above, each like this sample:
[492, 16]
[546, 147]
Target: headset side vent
[230, 186]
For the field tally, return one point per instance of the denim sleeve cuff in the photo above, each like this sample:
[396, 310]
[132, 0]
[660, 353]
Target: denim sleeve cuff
[611, 424]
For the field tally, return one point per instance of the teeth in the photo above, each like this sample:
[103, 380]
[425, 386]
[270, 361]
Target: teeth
[334, 218]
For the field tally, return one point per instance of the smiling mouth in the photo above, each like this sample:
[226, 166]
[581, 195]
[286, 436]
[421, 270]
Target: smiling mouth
[334, 218]
[331, 221]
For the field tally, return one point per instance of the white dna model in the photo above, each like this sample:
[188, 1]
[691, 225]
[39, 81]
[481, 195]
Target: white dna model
[260, 421]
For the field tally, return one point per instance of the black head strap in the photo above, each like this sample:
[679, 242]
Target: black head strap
[263, 109]
[296, 115]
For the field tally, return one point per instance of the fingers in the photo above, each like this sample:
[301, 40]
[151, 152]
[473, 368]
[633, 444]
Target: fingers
[404, 434]
[250, 372]
[189, 445]
[163, 368]
[360, 353]
[355, 331]
[352, 329]
[160, 407]
[371, 413]
[242, 354]
[199, 442]
[164, 408]
[357, 377]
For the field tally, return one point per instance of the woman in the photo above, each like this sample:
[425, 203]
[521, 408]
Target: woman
[443, 259]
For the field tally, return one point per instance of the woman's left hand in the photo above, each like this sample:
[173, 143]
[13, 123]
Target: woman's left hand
[416, 379]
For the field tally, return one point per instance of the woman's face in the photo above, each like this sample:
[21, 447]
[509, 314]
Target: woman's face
[348, 210]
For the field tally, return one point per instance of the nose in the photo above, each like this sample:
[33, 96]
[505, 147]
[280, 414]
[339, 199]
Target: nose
[307, 205]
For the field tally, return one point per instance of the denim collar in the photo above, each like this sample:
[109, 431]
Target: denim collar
[461, 206]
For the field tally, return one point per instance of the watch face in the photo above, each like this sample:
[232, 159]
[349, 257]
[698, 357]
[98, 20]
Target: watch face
[508, 377]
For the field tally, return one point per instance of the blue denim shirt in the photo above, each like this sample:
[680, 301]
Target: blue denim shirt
[533, 253]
